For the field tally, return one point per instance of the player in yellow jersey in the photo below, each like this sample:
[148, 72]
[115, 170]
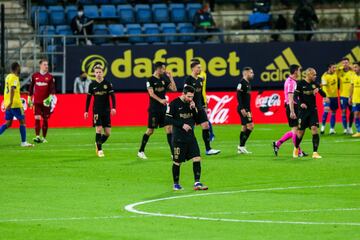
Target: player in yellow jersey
[355, 97]
[344, 75]
[13, 104]
[329, 83]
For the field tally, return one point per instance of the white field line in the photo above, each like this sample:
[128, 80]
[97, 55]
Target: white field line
[132, 207]
[64, 219]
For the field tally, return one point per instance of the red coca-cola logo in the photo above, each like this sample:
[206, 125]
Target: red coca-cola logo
[218, 108]
[268, 104]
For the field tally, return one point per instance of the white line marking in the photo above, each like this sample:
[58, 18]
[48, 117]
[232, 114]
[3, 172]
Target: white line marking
[132, 207]
[66, 218]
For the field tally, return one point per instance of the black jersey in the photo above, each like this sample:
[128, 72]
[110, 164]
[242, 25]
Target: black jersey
[198, 85]
[178, 114]
[159, 85]
[244, 95]
[305, 93]
[101, 92]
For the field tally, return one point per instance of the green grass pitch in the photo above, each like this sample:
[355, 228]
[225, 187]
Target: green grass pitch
[61, 190]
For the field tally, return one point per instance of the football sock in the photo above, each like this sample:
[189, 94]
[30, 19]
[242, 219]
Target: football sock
[244, 136]
[197, 171]
[23, 133]
[176, 173]
[37, 127]
[343, 119]
[357, 124]
[324, 118]
[284, 138]
[143, 142]
[316, 141]
[332, 120]
[3, 128]
[45, 127]
[104, 138]
[98, 141]
[206, 138]
[211, 132]
[169, 140]
[351, 119]
[297, 141]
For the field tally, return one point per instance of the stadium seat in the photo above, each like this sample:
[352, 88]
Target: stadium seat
[169, 28]
[65, 30]
[177, 12]
[57, 15]
[160, 13]
[126, 13]
[143, 13]
[91, 11]
[47, 30]
[108, 11]
[116, 29]
[71, 12]
[192, 8]
[186, 28]
[100, 29]
[41, 14]
[134, 29]
[152, 28]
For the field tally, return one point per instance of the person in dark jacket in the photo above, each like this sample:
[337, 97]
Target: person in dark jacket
[305, 19]
[82, 25]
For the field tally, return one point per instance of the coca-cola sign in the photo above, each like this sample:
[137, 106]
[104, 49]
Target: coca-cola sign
[268, 103]
[218, 108]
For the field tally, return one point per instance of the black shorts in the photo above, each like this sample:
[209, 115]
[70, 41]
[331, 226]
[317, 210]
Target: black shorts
[307, 119]
[184, 151]
[156, 119]
[102, 119]
[292, 122]
[247, 119]
[201, 116]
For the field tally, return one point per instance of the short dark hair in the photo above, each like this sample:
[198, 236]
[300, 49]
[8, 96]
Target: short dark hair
[246, 69]
[195, 60]
[159, 65]
[331, 64]
[293, 68]
[43, 60]
[345, 59]
[14, 66]
[188, 89]
[194, 64]
[80, 7]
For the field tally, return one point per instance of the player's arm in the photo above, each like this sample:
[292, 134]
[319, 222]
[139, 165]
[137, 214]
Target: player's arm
[298, 94]
[12, 93]
[320, 90]
[51, 92]
[113, 100]
[31, 91]
[172, 86]
[171, 116]
[153, 95]
[204, 90]
[351, 92]
[88, 100]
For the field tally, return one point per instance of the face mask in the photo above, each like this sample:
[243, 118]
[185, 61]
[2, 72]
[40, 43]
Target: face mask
[80, 13]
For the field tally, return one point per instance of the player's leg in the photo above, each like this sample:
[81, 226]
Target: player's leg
[152, 124]
[98, 142]
[193, 152]
[211, 131]
[22, 129]
[343, 106]
[315, 141]
[106, 135]
[168, 131]
[246, 130]
[206, 138]
[45, 122]
[324, 116]
[299, 136]
[37, 116]
[8, 120]
[351, 119]
[179, 157]
[356, 110]
[106, 124]
[333, 108]
[288, 135]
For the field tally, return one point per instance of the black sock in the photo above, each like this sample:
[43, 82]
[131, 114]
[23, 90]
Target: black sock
[144, 142]
[298, 141]
[98, 141]
[244, 137]
[104, 138]
[206, 138]
[169, 139]
[316, 141]
[351, 119]
[176, 173]
[197, 171]
[242, 134]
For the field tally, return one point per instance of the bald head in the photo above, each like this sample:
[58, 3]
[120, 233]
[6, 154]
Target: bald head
[310, 74]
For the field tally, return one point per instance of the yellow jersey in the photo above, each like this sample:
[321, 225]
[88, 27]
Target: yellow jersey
[329, 84]
[344, 78]
[203, 76]
[355, 80]
[12, 81]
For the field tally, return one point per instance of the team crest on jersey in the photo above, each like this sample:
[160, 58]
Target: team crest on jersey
[105, 86]
[163, 82]
[313, 86]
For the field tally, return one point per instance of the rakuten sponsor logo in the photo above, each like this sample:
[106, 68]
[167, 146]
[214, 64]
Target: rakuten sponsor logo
[219, 108]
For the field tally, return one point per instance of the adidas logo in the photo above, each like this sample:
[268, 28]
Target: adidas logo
[279, 69]
[354, 55]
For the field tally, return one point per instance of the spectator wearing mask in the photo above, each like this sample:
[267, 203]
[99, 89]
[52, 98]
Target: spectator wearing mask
[81, 83]
[82, 25]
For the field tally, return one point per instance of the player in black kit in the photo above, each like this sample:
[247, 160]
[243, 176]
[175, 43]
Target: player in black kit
[101, 90]
[306, 91]
[243, 97]
[196, 82]
[182, 114]
[157, 85]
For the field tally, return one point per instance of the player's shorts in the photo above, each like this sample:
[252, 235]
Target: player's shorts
[40, 109]
[307, 119]
[201, 116]
[356, 107]
[18, 113]
[344, 103]
[156, 119]
[247, 119]
[292, 122]
[102, 119]
[333, 103]
[184, 151]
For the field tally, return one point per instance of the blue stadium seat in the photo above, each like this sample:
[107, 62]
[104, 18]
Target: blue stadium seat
[143, 13]
[169, 28]
[134, 29]
[126, 13]
[57, 15]
[42, 16]
[100, 29]
[186, 28]
[177, 12]
[152, 28]
[91, 11]
[116, 29]
[71, 12]
[65, 30]
[108, 11]
[192, 8]
[160, 13]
